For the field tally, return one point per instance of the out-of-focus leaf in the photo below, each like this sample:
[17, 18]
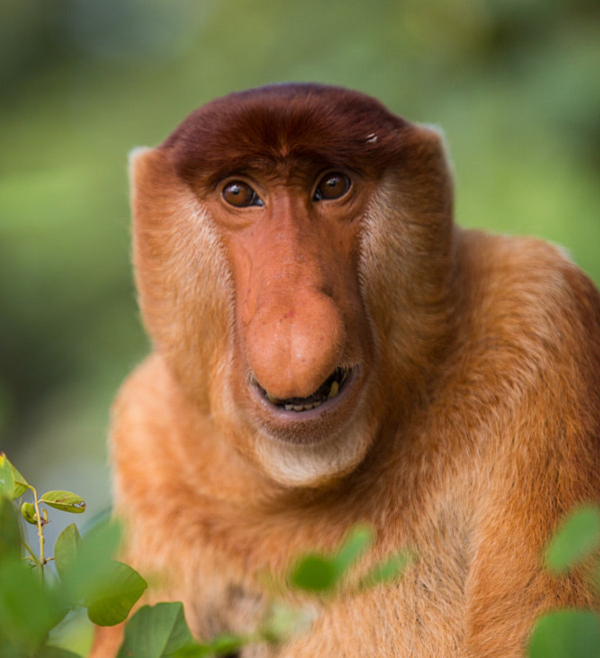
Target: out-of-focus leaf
[285, 621]
[314, 573]
[387, 571]
[28, 610]
[21, 484]
[65, 501]
[156, 632]
[12, 483]
[226, 644]
[65, 549]
[10, 531]
[194, 651]
[87, 573]
[7, 483]
[55, 652]
[577, 540]
[319, 573]
[358, 541]
[111, 604]
[566, 634]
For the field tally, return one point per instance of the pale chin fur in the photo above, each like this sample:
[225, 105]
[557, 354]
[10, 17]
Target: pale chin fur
[301, 465]
[314, 465]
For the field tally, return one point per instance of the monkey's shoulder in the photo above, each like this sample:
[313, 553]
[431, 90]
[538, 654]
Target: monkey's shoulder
[529, 338]
[151, 421]
[526, 287]
[145, 400]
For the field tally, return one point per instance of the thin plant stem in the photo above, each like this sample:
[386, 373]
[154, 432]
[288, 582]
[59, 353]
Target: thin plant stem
[28, 548]
[40, 527]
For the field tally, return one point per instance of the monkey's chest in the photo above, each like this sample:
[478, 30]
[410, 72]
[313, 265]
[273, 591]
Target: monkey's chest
[218, 604]
[345, 625]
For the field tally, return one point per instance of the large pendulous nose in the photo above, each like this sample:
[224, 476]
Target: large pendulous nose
[295, 341]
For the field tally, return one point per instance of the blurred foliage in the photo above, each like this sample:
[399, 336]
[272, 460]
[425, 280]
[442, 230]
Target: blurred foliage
[514, 83]
[41, 612]
[37, 609]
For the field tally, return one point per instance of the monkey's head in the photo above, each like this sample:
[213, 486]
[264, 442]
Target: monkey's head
[292, 250]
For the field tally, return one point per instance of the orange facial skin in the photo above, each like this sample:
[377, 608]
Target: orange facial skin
[298, 306]
[329, 348]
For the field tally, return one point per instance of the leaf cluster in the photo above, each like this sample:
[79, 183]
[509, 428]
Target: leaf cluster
[31, 605]
[322, 574]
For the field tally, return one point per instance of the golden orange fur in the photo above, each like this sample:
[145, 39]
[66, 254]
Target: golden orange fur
[467, 421]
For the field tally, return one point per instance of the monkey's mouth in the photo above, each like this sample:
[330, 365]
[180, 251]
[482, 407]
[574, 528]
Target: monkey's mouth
[329, 389]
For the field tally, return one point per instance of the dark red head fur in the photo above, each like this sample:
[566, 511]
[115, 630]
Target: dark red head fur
[286, 124]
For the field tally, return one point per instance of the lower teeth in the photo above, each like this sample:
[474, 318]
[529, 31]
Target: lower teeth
[303, 407]
[334, 391]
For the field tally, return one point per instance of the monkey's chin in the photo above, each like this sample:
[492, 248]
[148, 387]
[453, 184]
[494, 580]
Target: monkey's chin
[316, 464]
[314, 447]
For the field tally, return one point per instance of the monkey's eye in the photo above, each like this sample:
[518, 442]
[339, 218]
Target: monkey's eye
[332, 186]
[241, 195]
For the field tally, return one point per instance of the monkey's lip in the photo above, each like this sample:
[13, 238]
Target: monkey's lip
[329, 395]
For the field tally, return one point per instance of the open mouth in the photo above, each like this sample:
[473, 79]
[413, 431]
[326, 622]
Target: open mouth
[328, 390]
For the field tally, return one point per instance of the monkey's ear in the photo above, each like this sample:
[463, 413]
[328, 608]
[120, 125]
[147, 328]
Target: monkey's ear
[147, 166]
[437, 134]
[136, 156]
[153, 180]
[425, 163]
[435, 147]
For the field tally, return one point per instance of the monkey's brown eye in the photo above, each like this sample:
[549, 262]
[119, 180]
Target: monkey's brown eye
[332, 186]
[241, 195]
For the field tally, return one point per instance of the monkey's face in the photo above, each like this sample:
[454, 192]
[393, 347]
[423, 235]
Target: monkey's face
[303, 345]
[260, 233]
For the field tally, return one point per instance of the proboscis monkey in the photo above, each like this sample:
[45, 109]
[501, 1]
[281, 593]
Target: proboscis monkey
[330, 348]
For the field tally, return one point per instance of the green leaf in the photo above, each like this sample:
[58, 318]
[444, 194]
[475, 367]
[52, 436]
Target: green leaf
[86, 574]
[111, 604]
[55, 652]
[28, 610]
[194, 651]
[65, 549]
[387, 571]
[314, 573]
[283, 621]
[318, 573]
[65, 501]
[12, 483]
[226, 644]
[566, 634]
[21, 484]
[577, 540]
[10, 530]
[28, 513]
[7, 482]
[156, 632]
[358, 541]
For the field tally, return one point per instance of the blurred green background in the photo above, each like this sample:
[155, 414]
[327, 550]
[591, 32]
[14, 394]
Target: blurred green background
[514, 83]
